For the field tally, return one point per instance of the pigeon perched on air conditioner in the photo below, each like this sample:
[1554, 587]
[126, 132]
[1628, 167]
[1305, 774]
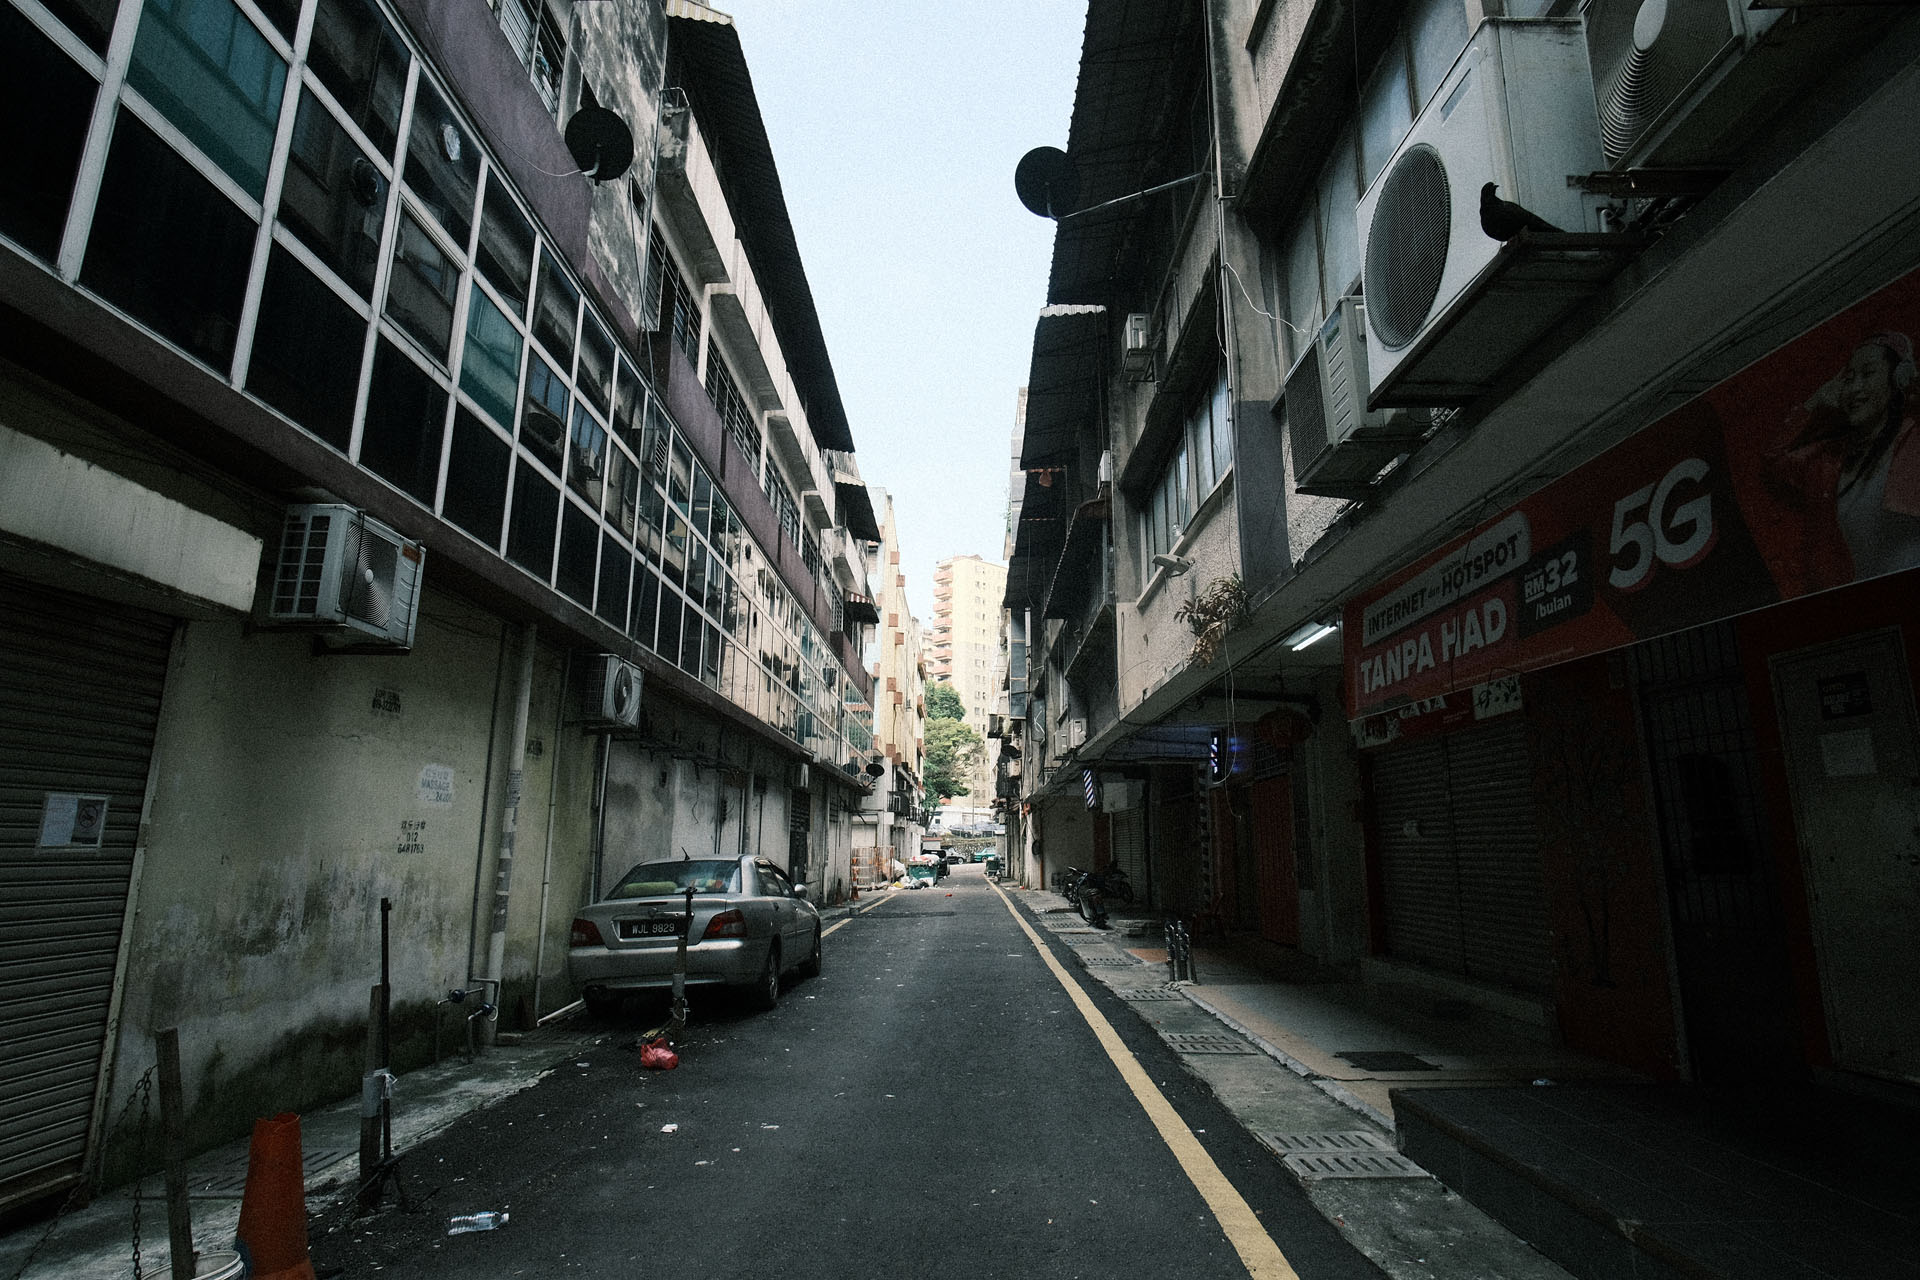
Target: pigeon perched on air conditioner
[1503, 219]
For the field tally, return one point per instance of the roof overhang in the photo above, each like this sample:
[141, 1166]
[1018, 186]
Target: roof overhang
[1063, 381]
[856, 510]
[704, 56]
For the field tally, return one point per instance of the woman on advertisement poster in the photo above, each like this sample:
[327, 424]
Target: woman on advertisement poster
[1855, 455]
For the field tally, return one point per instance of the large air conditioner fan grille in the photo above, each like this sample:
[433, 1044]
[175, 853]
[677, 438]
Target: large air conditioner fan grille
[366, 589]
[1407, 245]
[1306, 414]
[1631, 101]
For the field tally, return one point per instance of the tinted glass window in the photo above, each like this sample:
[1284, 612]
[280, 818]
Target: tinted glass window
[710, 671]
[697, 572]
[213, 74]
[627, 407]
[553, 312]
[422, 288]
[45, 103]
[283, 14]
[91, 20]
[652, 509]
[306, 350]
[667, 639]
[335, 199]
[579, 543]
[490, 367]
[616, 567]
[505, 252]
[623, 486]
[595, 375]
[690, 632]
[359, 57]
[536, 506]
[701, 513]
[674, 553]
[443, 163]
[406, 420]
[587, 457]
[646, 605]
[543, 424]
[476, 479]
[167, 247]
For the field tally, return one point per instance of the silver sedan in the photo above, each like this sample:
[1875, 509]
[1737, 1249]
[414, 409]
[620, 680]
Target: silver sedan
[749, 926]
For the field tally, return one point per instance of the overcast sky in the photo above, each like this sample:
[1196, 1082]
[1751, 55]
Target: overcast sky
[896, 128]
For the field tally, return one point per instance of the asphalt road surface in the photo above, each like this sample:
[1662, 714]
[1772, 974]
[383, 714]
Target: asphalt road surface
[936, 1104]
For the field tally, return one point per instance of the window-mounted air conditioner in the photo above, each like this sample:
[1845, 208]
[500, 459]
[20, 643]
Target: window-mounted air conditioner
[610, 694]
[1515, 111]
[1076, 731]
[338, 567]
[1136, 354]
[1673, 81]
[1339, 445]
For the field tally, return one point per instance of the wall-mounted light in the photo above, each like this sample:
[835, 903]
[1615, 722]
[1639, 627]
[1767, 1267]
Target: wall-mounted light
[1310, 633]
[1174, 565]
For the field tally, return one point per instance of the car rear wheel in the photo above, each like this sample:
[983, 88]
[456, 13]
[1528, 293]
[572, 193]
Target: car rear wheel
[766, 992]
[811, 969]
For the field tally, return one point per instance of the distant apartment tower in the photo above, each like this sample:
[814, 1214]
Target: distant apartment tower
[963, 646]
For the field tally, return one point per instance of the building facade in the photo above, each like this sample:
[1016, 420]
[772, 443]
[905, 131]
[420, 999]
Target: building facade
[964, 647]
[398, 485]
[895, 812]
[1522, 611]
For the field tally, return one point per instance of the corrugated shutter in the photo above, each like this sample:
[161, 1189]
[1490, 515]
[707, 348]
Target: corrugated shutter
[1130, 845]
[1502, 890]
[80, 687]
[1422, 890]
[1460, 858]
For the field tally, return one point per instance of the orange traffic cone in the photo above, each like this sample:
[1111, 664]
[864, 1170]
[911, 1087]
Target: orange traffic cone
[273, 1208]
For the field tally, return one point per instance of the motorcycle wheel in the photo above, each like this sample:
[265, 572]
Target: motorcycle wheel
[1122, 894]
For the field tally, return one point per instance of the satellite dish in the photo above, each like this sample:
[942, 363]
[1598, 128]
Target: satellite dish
[600, 142]
[1047, 182]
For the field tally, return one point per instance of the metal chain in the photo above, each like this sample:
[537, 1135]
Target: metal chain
[142, 1092]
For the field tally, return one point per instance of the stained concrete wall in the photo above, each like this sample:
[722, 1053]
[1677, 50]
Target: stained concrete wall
[292, 792]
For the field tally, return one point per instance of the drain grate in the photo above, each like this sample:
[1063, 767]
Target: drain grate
[1080, 933]
[1151, 993]
[1385, 1060]
[1313, 1165]
[1108, 962]
[229, 1183]
[1291, 1144]
[1184, 1042]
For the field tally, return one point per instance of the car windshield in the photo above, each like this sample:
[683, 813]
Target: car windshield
[664, 879]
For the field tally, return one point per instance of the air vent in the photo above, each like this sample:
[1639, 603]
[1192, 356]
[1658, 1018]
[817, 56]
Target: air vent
[1407, 245]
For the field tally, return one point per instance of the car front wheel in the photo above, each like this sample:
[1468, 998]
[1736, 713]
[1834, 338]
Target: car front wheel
[766, 992]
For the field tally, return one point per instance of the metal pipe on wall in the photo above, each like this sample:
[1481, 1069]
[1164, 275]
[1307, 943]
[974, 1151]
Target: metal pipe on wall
[486, 800]
[510, 821]
[546, 859]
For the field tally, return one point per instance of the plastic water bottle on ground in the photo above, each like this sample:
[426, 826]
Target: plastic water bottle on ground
[475, 1222]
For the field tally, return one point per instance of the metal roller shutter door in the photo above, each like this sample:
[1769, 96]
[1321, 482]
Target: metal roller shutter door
[1129, 830]
[1460, 857]
[80, 687]
[1422, 891]
[1502, 895]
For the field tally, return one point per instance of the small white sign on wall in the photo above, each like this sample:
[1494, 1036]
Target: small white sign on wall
[69, 821]
[436, 786]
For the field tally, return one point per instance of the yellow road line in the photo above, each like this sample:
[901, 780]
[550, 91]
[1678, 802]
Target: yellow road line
[842, 923]
[1258, 1252]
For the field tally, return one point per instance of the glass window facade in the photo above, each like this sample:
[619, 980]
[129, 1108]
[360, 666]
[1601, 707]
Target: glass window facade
[494, 394]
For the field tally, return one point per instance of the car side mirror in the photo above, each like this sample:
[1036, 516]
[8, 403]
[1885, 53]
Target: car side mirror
[800, 892]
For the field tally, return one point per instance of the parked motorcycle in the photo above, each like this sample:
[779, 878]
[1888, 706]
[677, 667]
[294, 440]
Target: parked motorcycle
[1088, 891]
[1117, 887]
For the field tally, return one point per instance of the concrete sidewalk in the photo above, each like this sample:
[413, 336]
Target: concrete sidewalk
[1272, 1052]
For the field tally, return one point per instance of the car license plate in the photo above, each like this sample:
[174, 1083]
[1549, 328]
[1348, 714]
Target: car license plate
[653, 928]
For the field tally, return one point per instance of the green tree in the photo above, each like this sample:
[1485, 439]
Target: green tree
[953, 750]
[943, 703]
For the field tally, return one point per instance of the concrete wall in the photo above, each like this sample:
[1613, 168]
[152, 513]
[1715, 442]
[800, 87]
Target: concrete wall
[292, 792]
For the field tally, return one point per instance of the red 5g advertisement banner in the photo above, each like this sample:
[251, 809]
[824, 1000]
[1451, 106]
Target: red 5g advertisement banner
[1798, 474]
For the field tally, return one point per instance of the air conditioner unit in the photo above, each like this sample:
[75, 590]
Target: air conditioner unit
[801, 777]
[610, 694]
[1136, 357]
[338, 567]
[1076, 730]
[1105, 474]
[1339, 445]
[1673, 81]
[1515, 111]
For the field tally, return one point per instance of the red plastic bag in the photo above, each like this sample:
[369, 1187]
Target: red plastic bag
[658, 1055]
